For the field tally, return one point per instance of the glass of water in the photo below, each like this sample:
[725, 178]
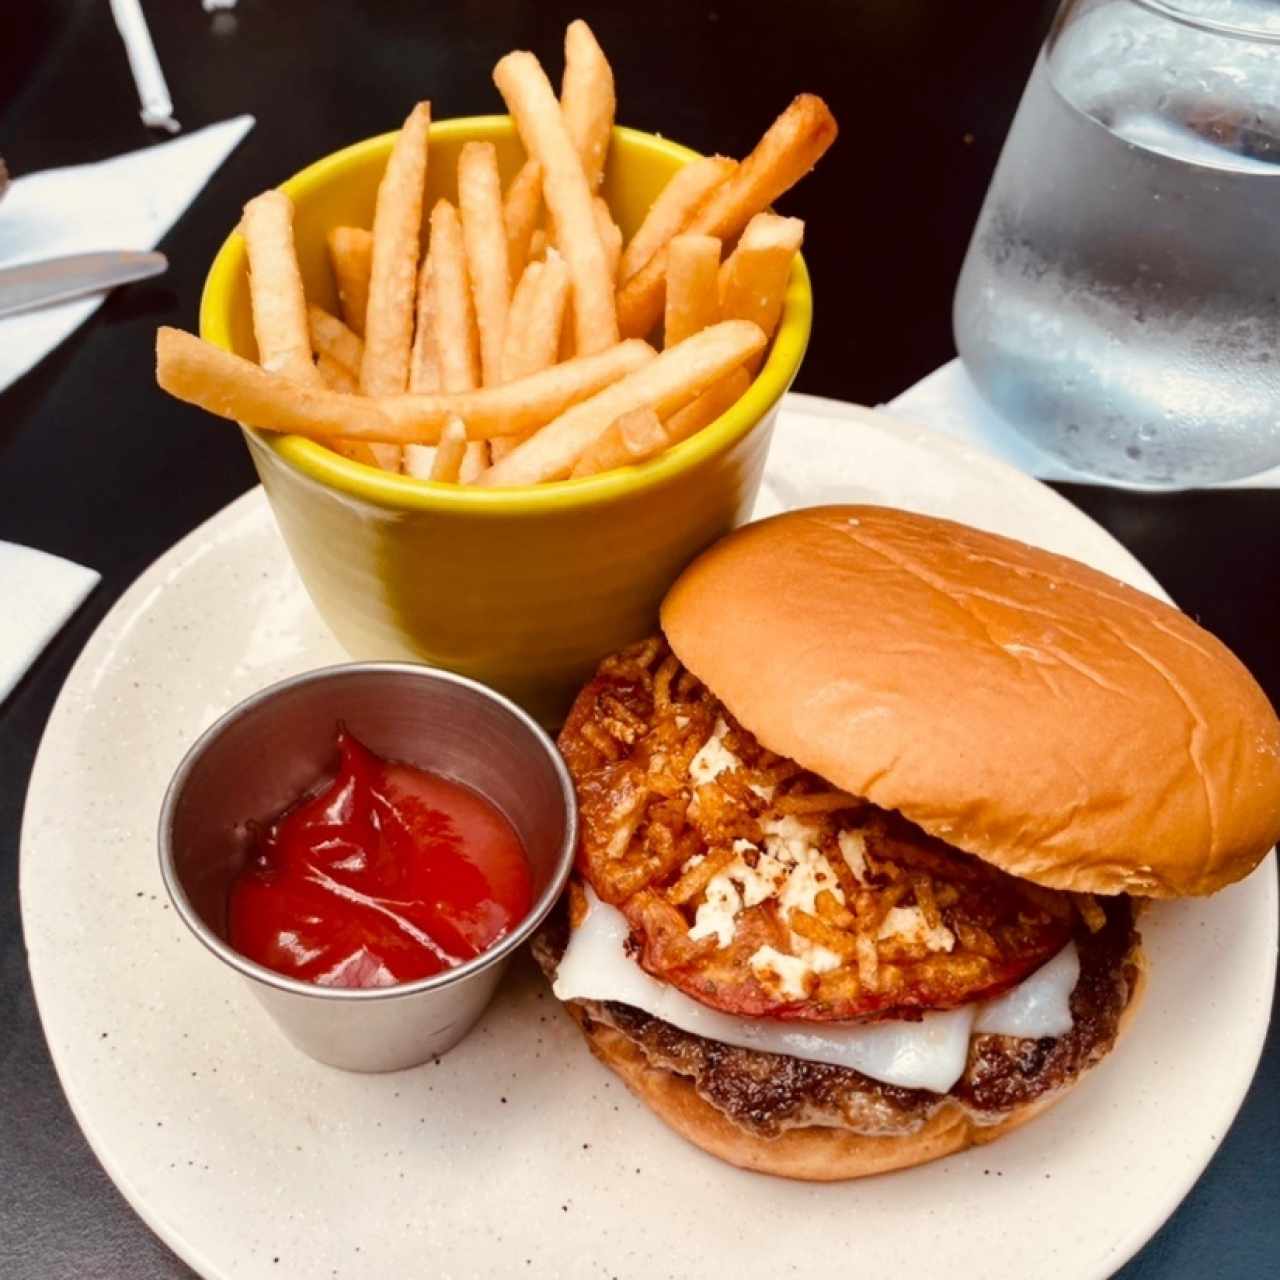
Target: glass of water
[1120, 301]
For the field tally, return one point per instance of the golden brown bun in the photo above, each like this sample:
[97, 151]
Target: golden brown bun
[1017, 704]
[815, 1153]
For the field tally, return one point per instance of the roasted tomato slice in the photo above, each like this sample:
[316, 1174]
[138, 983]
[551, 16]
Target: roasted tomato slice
[756, 888]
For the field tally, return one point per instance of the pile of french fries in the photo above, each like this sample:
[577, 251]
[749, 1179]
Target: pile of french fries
[513, 350]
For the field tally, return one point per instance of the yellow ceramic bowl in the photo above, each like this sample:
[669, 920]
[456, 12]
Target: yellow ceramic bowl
[523, 588]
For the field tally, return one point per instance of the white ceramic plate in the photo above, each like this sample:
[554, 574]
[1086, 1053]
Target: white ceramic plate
[517, 1154]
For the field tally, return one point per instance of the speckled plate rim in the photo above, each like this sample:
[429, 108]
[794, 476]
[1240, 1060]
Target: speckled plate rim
[1143, 1214]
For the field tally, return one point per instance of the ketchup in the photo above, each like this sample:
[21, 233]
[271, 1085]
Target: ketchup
[385, 874]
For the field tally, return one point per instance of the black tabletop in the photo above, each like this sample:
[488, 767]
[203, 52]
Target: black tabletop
[95, 464]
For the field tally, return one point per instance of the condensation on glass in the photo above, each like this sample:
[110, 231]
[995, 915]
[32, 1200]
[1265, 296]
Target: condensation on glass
[1120, 301]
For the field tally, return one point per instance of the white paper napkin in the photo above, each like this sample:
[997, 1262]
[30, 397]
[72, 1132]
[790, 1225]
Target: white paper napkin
[42, 592]
[948, 402]
[128, 202]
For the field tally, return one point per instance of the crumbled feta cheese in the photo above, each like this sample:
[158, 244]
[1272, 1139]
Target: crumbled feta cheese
[789, 973]
[738, 885]
[909, 923]
[789, 832]
[790, 868]
[818, 958]
[853, 848]
[791, 841]
[682, 722]
[811, 874]
[715, 916]
[713, 757]
[759, 882]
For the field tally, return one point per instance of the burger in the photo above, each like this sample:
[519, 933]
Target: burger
[866, 832]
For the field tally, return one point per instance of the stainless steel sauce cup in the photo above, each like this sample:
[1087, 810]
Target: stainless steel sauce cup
[263, 754]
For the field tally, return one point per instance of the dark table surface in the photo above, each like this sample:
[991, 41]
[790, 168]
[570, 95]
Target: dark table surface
[98, 466]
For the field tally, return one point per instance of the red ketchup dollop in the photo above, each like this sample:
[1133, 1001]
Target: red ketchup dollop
[386, 874]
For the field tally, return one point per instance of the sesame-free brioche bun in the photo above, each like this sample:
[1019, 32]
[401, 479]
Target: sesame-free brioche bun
[1017, 704]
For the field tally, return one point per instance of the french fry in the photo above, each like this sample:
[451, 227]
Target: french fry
[527, 93]
[475, 461]
[275, 288]
[791, 146]
[610, 236]
[587, 99]
[708, 406]
[504, 336]
[424, 366]
[449, 452]
[452, 311]
[424, 358]
[338, 363]
[351, 257]
[533, 345]
[397, 226]
[753, 280]
[521, 208]
[282, 322]
[417, 460]
[356, 451]
[390, 457]
[488, 265]
[535, 323]
[631, 438]
[676, 204]
[500, 446]
[665, 384]
[611, 239]
[330, 337]
[335, 375]
[693, 269]
[518, 316]
[231, 387]
[456, 294]
[455, 305]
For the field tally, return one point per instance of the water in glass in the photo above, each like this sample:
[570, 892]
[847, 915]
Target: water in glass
[1120, 302]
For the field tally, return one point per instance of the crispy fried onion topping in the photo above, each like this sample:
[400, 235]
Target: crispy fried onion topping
[757, 888]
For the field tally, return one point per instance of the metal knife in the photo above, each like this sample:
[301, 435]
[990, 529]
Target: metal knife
[37, 284]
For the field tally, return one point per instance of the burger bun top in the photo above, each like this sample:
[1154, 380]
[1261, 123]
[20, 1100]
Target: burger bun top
[1017, 704]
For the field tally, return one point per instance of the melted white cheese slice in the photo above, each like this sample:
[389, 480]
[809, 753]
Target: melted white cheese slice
[929, 1054]
[1039, 1005]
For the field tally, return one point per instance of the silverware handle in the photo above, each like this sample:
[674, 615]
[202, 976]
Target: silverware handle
[38, 284]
